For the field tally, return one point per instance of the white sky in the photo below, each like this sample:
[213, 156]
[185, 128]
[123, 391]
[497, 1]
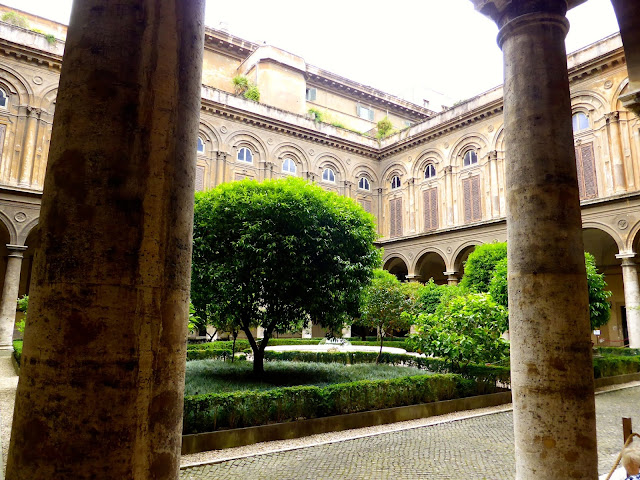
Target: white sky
[405, 48]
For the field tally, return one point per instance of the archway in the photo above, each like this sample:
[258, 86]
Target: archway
[431, 265]
[397, 266]
[604, 249]
[461, 259]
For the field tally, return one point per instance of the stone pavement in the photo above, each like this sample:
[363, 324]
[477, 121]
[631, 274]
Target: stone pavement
[476, 448]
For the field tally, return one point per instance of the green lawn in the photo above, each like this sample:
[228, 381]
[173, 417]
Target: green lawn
[216, 376]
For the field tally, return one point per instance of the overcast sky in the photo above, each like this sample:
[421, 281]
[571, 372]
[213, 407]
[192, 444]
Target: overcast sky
[406, 47]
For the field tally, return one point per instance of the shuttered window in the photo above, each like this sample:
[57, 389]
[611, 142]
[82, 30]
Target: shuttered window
[395, 217]
[366, 205]
[586, 167]
[430, 200]
[199, 178]
[471, 194]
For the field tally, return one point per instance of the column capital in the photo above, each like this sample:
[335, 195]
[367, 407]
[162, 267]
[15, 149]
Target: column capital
[612, 116]
[413, 278]
[503, 11]
[628, 259]
[16, 250]
[448, 170]
[454, 272]
[631, 101]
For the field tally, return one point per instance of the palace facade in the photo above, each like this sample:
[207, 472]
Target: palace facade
[436, 186]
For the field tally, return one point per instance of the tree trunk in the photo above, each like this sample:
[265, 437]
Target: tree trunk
[233, 347]
[381, 342]
[258, 363]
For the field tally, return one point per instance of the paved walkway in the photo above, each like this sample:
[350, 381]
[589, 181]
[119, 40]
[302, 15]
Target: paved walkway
[478, 448]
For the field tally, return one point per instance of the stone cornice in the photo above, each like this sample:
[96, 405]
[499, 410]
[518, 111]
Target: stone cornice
[30, 55]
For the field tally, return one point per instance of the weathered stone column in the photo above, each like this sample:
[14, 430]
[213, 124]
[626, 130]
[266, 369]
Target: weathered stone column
[631, 297]
[551, 370]
[452, 278]
[617, 160]
[29, 146]
[10, 296]
[101, 387]
[628, 15]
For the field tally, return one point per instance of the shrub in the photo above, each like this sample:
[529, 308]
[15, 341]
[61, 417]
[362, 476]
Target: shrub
[609, 366]
[17, 350]
[51, 39]
[240, 83]
[480, 265]
[252, 93]
[385, 128]
[318, 116]
[15, 19]
[210, 412]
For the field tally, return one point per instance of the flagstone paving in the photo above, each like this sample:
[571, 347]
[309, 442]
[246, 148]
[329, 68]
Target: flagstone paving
[477, 448]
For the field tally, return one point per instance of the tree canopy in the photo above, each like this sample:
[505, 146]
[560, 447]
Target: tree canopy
[277, 253]
[382, 303]
[479, 267]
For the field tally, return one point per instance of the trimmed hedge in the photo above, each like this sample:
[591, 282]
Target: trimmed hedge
[212, 353]
[210, 412]
[617, 351]
[609, 366]
[488, 376]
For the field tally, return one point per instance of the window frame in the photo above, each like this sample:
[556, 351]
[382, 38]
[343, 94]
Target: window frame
[396, 179]
[578, 115]
[427, 168]
[369, 115]
[333, 173]
[200, 142]
[292, 162]
[311, 94]
[473, 155]
[243, 160]
[364, 181]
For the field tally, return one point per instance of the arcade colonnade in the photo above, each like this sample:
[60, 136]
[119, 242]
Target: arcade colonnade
[100, 392]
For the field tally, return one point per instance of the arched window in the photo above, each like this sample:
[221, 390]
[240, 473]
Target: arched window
[4, 99]
[289, 166]
[363, 184]
[395, 182]
[470, 158]
[200, 145]
[430, 171]
[245, 155]
[328, 175]
[580, 122]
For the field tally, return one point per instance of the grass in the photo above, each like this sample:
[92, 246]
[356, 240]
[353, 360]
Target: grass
[214, 376]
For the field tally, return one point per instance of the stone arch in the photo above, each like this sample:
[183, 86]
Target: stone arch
[294, 151]
[392, 170]
[210, 136]
[431, 155]
[431, 263]
[329, 160]
[364, 170]
[243, 138]
[396, 264]
[48, 99]
[16, 84]
[593, 225]
[616, 104]
[588, 101]
[461, 254]
[469, 141]
[11, 229]
[498, 140]
[633, 239]
[27, 230]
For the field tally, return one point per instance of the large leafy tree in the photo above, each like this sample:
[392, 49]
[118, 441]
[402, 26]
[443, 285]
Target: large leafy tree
[599, 306]
[479, 267]
[274, 253]
[382, 304]
[463, 329]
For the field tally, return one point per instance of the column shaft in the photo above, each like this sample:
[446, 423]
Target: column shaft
[617, 160]
[495, 188]
[10, 296]
[631, 300]
[221, 159]
[101, 387]
[29, 147]
[448, 186]
[551, 370]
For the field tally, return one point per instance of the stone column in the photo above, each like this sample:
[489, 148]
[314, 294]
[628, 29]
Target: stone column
[617, 159]
[102, 381]
[10, 296]
[448, 186]
[380, 212]
[220, 162]
[631, 297]
[413, 278]
[29, 146]
[551, 369]
[628, 15]
[495, 188]
[452, 278]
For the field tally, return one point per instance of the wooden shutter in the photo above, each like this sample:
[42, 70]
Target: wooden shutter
[395, 217]
[366, 205]
[472, 200]
[199, 178]
[430, 200]
[586, 169]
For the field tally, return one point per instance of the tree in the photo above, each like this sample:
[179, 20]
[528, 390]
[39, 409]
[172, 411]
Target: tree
[382, 304]
[464, 329]
[479, 267]
[274, 253]
[599, 307]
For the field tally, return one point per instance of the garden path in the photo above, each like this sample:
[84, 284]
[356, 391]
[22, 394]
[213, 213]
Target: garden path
[472, 445]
